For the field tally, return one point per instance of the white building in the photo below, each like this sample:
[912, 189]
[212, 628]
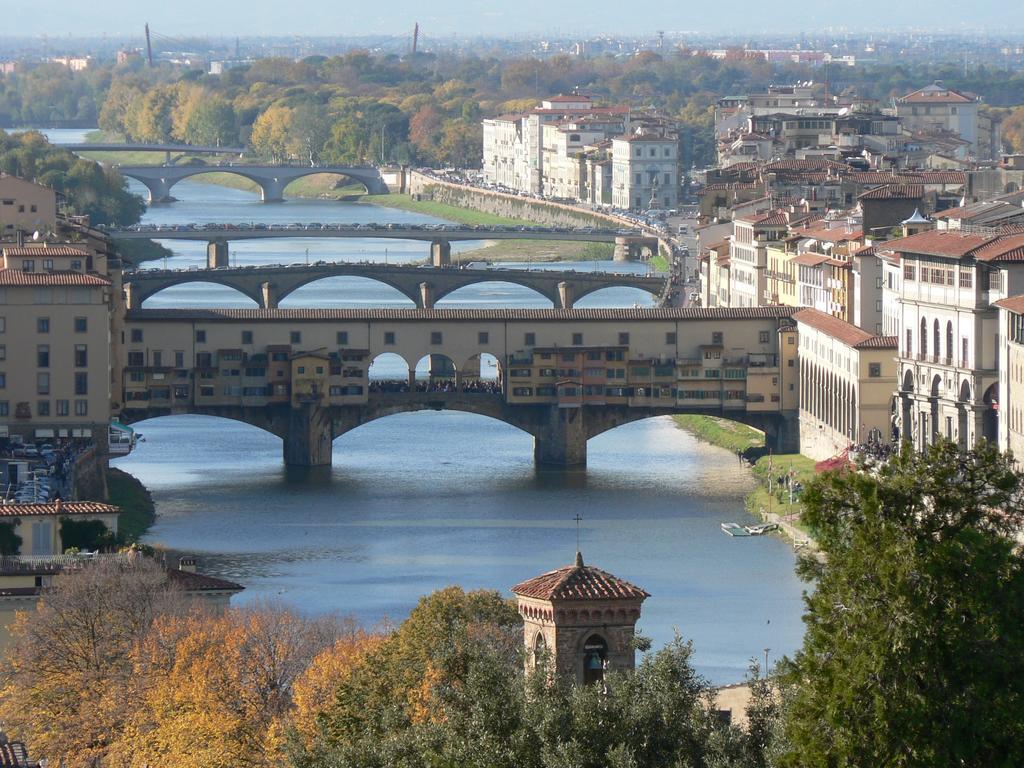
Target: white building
[949, 353]
[748, 255]
[936, 108]
[645, 171]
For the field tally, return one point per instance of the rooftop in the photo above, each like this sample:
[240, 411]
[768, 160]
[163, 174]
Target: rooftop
[58, 507]
[842, 331]
[16, 277]
[579, 582]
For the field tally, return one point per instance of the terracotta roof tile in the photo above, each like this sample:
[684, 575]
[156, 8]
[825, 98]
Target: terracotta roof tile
[894, 192]
[38, 250]
[810, 259]
[1014, 304]
[579, 582]
[59, 508]
[1006, 248]
[878, 342]
[15, 277]
[200, 582]
[934, 242]
[840, 330]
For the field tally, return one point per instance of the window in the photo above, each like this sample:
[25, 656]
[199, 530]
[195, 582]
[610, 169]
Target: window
[966, 277]
[81, 383]
[43, 408]
[76, 264]
[247, 337]
[81, 355]
[62, 407]
[3, 324]
[42, 325]
[42, 383]
[874, 370]
[5, 408]
[522, 391]
[295, 337]
[48, 264]
[717, 337]
[577, 339]
[81, 407]
[436, 338]
[763, 337]
[3, 381]
[670, 337]
[623, 338]
[136, 359]
[908, 271]
[28, 265]
[3, 351]
[483, 337]
[179, 359]
[389, 337]
[530, 339]
[136, 335]
[200, 337]
[342, 338]
[43, 356]
[81, 325]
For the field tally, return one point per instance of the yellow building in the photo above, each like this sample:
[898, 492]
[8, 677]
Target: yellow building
[38, 525]
[26, 207]
[847, 380]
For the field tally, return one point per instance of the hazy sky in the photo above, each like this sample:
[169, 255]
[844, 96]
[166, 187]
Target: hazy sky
[216, 18]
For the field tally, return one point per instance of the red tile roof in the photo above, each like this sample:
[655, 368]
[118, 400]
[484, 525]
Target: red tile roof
[878, 342]
[59, 508]
[1014, 304]
[579, 582]
[894, 192]
[15, 277]
[766, 219]
[810, 260]
[935, 242]
[200, 582]
[49, 250]
[840, 330]
[936, 94]
[1006, 248]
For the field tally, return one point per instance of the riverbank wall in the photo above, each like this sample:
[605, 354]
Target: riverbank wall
[89, 475]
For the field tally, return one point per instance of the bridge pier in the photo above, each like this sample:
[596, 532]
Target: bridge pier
[272, 189]
[309, 440]
[217, 254]
[268, 292]
[785, 437]
[561, 443]
[159, 190]
[566, 294]
[426, 296]
[440, 253]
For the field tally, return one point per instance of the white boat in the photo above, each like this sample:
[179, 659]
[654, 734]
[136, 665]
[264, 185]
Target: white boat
[760, 530]
[734, 529]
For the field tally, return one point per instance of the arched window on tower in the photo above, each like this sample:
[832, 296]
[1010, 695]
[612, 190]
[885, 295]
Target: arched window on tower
[595, 658]
[540, 649]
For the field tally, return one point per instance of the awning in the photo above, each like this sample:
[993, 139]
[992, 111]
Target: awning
[117, 425]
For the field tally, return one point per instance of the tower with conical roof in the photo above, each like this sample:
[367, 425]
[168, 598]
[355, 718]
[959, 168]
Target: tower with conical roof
[582, 619]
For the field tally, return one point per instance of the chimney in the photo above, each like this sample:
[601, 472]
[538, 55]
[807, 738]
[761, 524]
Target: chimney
[187, 564]
[58, 505]
[21, 238]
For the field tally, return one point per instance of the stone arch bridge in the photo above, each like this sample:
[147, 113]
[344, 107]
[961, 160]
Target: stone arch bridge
[267, 286]
[564, 376]
[272, 179]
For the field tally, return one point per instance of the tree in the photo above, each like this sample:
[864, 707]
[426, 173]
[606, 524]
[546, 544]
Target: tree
[10, 542]
[212, 123]
[310, 130]
[67, 685]
[217, 690]
[270, 133]
[1013, 130]
[84, 534]
[915, 628]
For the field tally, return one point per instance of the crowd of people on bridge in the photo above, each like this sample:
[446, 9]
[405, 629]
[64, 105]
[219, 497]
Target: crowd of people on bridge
[470, 386]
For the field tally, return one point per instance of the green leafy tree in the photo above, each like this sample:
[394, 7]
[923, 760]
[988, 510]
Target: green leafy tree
[212, 123]
[915, 627]
[10, 542]
[310, 130]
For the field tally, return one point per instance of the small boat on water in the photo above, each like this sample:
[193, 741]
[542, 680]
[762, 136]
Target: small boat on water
[734, 529]
[760, 530]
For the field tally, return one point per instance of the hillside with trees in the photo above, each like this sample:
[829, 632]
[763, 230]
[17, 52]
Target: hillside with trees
[426, 109]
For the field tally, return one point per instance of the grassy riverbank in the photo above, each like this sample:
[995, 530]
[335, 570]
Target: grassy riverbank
[740, 438]
[138, 510]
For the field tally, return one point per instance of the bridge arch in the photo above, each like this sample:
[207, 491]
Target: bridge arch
[250, 417]
[389, 367]
[467, 406]
[344, 283]
[361, 181]
[139, 299]
[493, 286]
[631, 290]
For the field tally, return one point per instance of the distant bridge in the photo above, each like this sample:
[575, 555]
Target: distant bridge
[185, 148]
[272, 179]
[629, 243]
[267, 286]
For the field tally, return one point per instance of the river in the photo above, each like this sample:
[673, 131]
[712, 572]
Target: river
[418, 501]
